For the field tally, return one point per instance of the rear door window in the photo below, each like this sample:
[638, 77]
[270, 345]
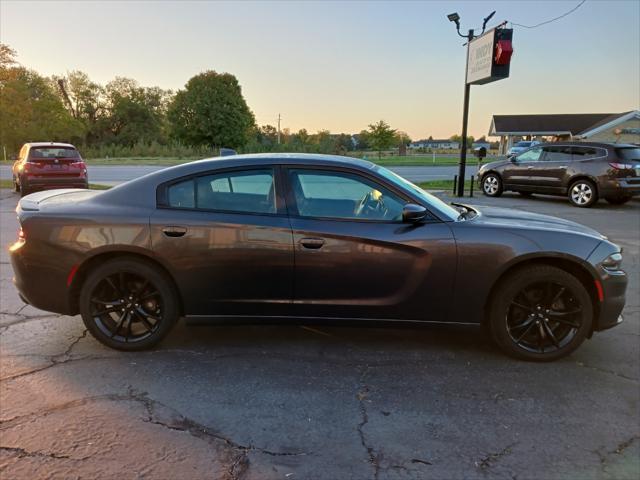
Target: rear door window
[557, 154]
[585, 153]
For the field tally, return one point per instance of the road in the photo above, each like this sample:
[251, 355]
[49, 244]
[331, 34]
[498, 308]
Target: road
[319, 402]
[111, 175]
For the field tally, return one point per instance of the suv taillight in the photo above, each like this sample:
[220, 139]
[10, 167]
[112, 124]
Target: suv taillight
[621, 166]
[80, 165]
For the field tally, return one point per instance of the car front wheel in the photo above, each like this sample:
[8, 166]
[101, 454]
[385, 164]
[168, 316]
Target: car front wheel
[540, 313]
[128, 304]
[492, 185]
[583, 193]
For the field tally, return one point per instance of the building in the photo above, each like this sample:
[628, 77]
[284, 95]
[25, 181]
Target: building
[435, 144]
[595, 127]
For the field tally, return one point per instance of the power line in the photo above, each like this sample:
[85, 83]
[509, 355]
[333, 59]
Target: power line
[551, 20]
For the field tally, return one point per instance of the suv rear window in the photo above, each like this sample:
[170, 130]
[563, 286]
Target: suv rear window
[44, 153]
[628, 153]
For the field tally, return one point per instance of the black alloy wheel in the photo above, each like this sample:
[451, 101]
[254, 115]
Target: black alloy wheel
[541, 313]
[128, 304]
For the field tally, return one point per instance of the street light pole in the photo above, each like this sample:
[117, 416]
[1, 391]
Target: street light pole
[465, 121]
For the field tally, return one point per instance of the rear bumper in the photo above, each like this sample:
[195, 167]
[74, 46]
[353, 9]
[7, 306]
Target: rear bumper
[42, 287]
[56, 182]
[620, 187]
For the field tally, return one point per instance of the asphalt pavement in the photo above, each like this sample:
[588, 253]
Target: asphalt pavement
[319, 402]
[111, 175]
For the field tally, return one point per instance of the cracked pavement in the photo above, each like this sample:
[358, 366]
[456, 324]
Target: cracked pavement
[323, 402]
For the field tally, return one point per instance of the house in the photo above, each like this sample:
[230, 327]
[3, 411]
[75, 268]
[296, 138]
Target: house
[595, 127]
[435, 144]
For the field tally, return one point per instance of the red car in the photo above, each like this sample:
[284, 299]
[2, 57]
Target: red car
[46, 165]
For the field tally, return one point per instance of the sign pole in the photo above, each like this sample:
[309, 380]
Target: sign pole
[465, 121]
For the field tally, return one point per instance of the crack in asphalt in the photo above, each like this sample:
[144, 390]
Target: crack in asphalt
[175, 422]
[54, 360]
[488, 461]
[363, 391]
[618, 450]
[608, 372]
[23, 319]
[21, 452]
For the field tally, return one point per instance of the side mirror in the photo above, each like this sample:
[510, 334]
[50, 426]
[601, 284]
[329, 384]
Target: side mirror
[412, 213]
[512, 159]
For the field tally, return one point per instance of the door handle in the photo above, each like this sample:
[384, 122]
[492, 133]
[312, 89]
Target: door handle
[529, 167]
[174, 231]
[312, 243]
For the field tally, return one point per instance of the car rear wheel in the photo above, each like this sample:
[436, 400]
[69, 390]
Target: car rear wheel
[128, 304]
[492, 185]
[540, 313]
[583, 193]
[618, 200]
[16, 185]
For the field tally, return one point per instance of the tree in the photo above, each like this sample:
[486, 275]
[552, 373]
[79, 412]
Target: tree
[211, 111]
[458, 138]
[31, 111]
[381, 136]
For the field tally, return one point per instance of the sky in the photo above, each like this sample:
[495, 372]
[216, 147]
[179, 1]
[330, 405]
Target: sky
[343, 65]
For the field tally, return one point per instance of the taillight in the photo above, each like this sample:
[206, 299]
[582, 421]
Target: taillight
[621, 166]
[80, 166]
[20, 242]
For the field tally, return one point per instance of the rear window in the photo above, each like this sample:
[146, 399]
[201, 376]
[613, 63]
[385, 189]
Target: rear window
[628, 153]
[44, 153]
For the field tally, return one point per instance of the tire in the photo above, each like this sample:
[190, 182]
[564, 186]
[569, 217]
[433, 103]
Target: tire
[126, 322]
[618, 200]
[16, 185]
[521, 328]
[582, 193]
[24, 190]
[526, 194]
[492, 185]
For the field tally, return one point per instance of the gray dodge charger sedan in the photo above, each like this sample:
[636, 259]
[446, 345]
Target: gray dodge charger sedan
[310, 238]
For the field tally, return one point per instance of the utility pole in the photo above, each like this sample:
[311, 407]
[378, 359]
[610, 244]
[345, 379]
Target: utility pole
[279, 118]
[465, 122]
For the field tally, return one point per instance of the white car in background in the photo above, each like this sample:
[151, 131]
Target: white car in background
[522, 146]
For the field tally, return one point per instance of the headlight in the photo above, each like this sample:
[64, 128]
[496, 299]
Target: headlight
[613, 262]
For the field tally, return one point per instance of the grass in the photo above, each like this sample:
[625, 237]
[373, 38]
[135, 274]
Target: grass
[446, 185]
[4, 183]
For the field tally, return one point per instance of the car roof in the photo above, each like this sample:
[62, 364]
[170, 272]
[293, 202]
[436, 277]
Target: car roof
[284, 158]
[49, 144]
[590, 144]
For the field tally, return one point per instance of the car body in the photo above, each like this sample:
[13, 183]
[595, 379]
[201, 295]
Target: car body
[603, 170]
[46, 165]
[300, 237]
[522, 146]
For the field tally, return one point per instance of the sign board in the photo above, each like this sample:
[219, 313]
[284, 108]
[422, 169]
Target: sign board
[481, 65]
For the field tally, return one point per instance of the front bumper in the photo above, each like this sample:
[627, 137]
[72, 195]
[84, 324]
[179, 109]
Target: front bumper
[614, 287]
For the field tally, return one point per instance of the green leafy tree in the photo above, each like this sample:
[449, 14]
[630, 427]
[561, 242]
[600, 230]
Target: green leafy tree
[29, 108]
[381, 136]
[458, 138]
[211, 111]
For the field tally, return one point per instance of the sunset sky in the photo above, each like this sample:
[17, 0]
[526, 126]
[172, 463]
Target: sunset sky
[343, 65]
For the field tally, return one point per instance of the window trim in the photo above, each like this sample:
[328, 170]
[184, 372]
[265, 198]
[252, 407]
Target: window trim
[292, 205]
[162, 201]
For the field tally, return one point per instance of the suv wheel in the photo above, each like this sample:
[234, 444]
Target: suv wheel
[492, 185]
[583, 193]
[16, 185]
[618, 200]
[540, 313]
[128, 304]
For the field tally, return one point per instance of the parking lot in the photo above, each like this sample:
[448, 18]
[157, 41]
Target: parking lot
[319, 402]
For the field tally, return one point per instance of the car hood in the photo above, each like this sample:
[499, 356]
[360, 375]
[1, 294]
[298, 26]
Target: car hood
[521, 219]
[494, 164]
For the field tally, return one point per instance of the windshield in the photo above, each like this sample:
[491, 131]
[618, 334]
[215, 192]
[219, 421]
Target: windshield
[629, 153]
[523, 144]
[429, 199]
